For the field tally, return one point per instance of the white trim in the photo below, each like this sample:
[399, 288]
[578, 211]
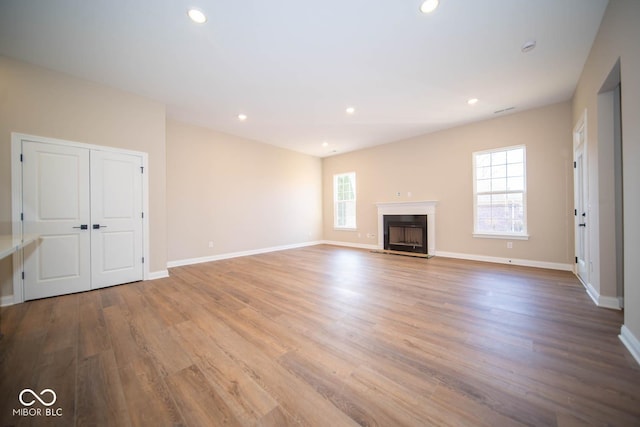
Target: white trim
[160, 274]
[474, 155]
[16, 198]
[512, 261]
[425, 207]
[581, 125]
[190, 261]
[501, 236]
[591, 291]
[146, 246]
[631, 342]
[6, 300]
[613, 303]
[16, 210]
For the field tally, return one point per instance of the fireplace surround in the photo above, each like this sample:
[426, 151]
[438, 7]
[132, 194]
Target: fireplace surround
[427, 208]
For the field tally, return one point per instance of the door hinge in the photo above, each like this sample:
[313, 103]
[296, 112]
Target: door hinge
[143, 260]
[141, 169]
[23, 275]
[141, 214]
[575, 212]
[21, 216]
[21, 158]
[576, 260]
[575, 165]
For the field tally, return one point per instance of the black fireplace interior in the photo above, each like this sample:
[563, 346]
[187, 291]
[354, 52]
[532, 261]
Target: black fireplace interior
[407, 233]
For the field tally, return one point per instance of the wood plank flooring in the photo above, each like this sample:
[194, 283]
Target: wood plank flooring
[323, 336]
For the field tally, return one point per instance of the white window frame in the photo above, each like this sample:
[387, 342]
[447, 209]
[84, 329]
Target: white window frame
[336, 202]
[522, 235]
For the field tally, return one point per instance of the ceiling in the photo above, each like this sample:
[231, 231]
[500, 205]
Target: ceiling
[294, 66]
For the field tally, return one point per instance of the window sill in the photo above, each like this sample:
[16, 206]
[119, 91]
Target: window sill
[501, 236]
[344, 229]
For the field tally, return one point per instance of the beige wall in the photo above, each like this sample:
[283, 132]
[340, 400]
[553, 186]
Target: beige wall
[239, 194]
[617, 39]
[438, 166]
[40, 102]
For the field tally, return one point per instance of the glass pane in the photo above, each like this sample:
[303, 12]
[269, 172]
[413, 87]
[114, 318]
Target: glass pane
[499, 199]
[498, 158]
[483, 173]
[498, 184]
[515, 184]
[483, 160]
[483, 186]
[516, 169]
[498, 171]
[515, 156]
[484, 200]
[515, 198]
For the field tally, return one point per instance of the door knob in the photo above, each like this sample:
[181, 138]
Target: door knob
[582, 225]
[82, 226]
[98, 226]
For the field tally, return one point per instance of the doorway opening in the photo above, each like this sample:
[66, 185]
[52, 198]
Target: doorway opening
[610, 168]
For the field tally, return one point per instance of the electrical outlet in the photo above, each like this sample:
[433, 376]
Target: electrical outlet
[371, 235]
[398, 194]
[509, 245]
[210, 244]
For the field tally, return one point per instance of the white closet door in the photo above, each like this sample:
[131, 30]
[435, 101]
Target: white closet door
[116, 218]
[55, 206]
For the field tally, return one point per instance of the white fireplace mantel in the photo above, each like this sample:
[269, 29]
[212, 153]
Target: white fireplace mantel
[427, 207]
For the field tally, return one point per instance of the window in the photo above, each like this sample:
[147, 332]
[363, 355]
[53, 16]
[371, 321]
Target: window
[344, 200]
[499, 192]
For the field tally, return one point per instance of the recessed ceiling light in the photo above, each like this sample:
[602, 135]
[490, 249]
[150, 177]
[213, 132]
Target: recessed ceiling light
[197, 16]
[325, 144]
[242, 117]
[429, 6]
[472, 101]
[350, 110]
[528, 46]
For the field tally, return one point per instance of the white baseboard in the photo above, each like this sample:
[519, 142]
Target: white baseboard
[349, 245]
[591, 291]
[631, 342]
[512, 261]
[609, 302]
[613, 303]
[6, 300]
[161, 274]
[190, 261]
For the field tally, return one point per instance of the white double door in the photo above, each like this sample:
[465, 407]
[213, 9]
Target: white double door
[86, 206]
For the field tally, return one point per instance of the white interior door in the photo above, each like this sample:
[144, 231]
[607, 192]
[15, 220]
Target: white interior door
[581, 207]
[55, 205]
[116, 218]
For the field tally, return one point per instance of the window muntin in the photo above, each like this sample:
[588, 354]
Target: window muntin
[344, 201]
[500, 192]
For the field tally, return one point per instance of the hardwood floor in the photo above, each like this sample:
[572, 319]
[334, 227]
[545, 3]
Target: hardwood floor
[323, 336]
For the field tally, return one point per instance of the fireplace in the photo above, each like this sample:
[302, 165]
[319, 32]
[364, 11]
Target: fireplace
[406, 233]
[426, 208]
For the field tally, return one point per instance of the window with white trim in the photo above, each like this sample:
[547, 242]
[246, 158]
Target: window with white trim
[500, 193]
[344, 201]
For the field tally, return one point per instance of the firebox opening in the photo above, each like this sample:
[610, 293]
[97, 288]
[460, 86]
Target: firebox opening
[407, 233]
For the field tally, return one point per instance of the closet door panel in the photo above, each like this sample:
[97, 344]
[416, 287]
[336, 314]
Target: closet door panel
[55, 205]
[116, 218]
